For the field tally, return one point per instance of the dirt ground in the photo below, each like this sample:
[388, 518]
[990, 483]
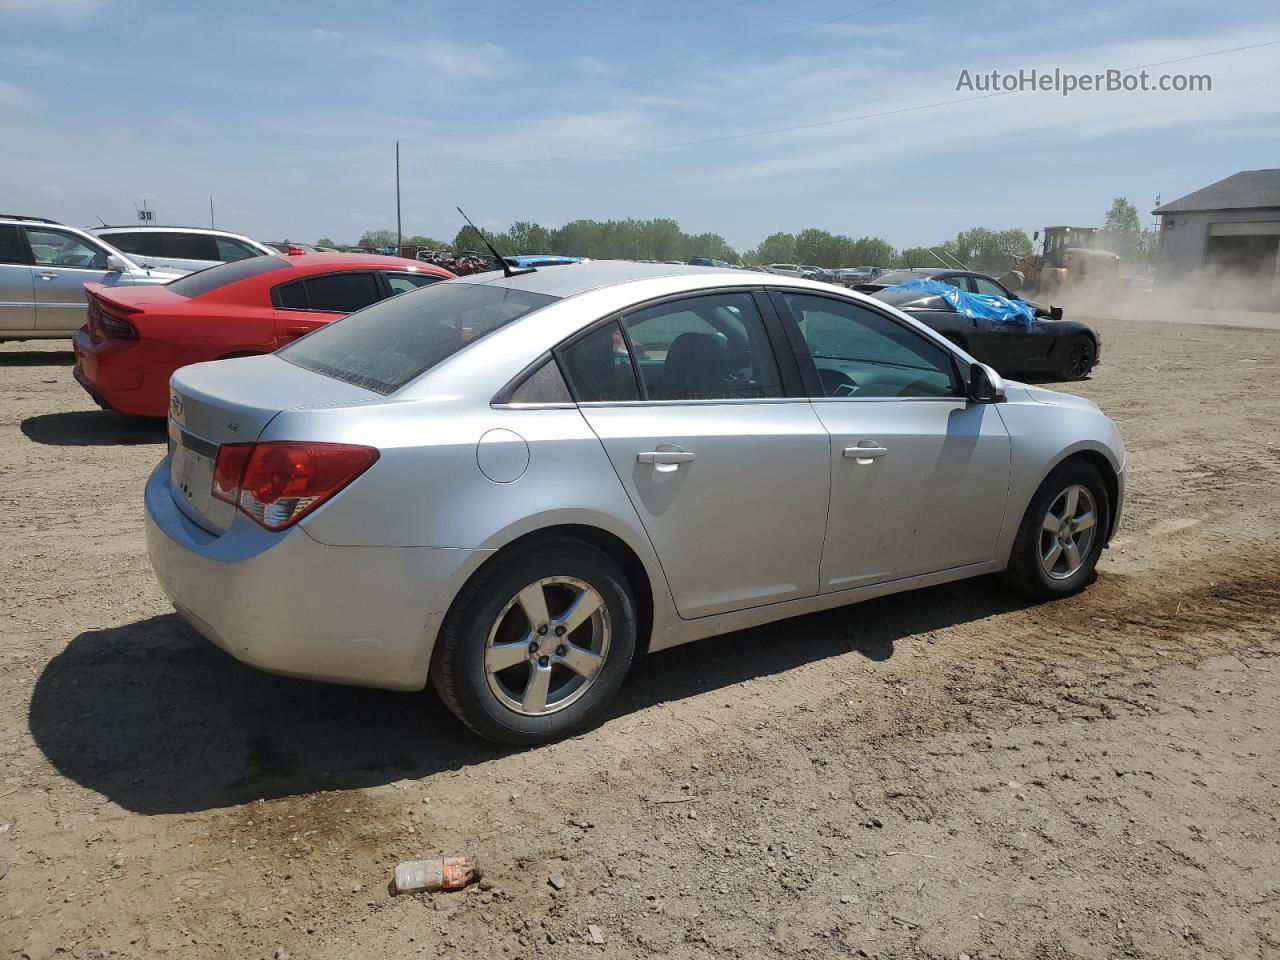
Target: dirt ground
[939, 774]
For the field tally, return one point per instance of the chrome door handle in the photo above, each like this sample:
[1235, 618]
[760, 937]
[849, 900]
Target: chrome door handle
[663, 457]
[46, 275]
[864, 453]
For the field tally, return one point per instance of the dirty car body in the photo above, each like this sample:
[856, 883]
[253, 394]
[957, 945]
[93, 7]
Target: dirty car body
[509, 485]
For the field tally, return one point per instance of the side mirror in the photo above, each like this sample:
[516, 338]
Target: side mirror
[1035, 236]
[985, 385]
[114, 264]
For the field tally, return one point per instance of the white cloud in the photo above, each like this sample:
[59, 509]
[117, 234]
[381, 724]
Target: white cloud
[593, 67]
[66, 11]
[17, 100]
[450, 57]
[438, 55]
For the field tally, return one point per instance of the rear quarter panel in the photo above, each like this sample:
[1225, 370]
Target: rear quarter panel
[427, 488]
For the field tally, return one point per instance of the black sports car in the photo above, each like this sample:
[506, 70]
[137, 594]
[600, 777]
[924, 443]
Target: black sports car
[1066, 349]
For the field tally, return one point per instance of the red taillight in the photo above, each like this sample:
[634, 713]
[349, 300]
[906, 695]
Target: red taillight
[117, 328]
[103, 323]
[296, 251]
[228, 470]
[276, 484]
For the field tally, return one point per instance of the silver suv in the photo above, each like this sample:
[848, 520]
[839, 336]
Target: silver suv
[43, 269]
[181, 248]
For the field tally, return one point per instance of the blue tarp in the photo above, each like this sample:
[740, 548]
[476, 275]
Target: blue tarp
[982, 305]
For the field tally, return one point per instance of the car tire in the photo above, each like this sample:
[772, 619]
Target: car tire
[493, 686]
[1079, 359]
[1075, 488]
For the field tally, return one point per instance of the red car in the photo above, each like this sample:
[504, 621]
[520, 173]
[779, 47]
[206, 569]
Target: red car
[137, 337]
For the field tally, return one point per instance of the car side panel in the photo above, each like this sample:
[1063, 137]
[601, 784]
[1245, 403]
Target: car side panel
[434, 485]
[428, 486]
[17, 298]
[1042, 435]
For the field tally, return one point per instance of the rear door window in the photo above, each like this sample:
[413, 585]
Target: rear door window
[189, 246]
[12, 249]
[342, 292]
[291, 296]
[599, 367]
[710, 347]
[396, 341]
[141, 243]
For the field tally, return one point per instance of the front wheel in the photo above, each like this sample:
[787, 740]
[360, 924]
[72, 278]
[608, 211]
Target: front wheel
[1062, 533]
[1080, 358]
[538, 644]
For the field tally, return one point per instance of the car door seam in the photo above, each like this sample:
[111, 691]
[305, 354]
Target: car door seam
[634, 509]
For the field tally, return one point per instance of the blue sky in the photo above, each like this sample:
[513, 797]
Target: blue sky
[287, 113]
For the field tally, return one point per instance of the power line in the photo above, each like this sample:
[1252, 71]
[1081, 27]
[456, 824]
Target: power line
[681, 68]
[842, 120]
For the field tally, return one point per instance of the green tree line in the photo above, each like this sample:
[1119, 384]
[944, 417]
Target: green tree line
[978, 248]
[662, 239]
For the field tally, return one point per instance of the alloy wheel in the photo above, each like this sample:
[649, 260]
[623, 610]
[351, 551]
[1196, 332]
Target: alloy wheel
[1081, 359]
[1067, 532]
[547, 646]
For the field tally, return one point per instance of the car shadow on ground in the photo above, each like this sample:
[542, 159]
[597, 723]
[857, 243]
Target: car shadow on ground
[37, 358]
[156, 719]
[92, 428]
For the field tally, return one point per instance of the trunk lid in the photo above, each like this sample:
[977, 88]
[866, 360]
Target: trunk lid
[232, 401]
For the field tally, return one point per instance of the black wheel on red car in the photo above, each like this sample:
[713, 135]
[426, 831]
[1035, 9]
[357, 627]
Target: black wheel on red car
[537, 643]
[1079, 359]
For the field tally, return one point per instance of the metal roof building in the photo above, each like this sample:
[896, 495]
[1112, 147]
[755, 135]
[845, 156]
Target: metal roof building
[1227, 234]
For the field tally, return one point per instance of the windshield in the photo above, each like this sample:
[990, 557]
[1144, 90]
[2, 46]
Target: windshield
[914, 300]
[383, 347]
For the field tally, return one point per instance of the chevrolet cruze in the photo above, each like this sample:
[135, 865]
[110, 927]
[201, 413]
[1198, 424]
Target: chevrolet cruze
[509, 486]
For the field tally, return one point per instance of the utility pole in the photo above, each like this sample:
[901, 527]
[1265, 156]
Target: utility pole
[399, 235]
[211, 226]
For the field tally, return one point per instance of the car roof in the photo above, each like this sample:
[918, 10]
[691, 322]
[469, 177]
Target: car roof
[133, 228]
[23, 218]
[319, 262]
[574, 278]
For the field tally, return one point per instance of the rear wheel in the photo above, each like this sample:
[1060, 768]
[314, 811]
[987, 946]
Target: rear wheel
[538, 644]
[1079, 359]
[1062, 533]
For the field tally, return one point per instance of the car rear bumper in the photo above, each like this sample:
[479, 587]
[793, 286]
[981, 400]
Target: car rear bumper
[112, 372]
[285, 603]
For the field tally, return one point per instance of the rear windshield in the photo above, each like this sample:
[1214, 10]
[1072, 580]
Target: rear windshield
[383, 347]
[214, 278]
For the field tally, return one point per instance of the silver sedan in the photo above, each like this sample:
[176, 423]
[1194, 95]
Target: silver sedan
[510, 486]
